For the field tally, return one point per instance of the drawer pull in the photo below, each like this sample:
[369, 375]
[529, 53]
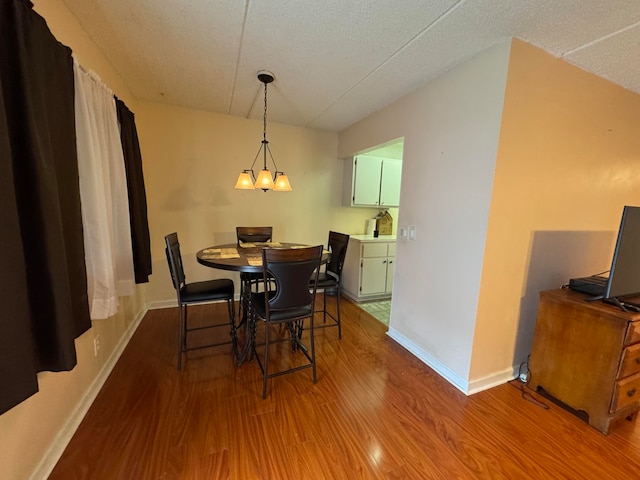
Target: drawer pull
[631, 393]
[638, 360]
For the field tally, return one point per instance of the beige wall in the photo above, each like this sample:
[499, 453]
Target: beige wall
[33, 433]
[450, 128]
[516, 168]
[568, 161]
[191, 162]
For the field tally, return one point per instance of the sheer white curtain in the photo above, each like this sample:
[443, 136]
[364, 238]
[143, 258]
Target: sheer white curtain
[103, 192]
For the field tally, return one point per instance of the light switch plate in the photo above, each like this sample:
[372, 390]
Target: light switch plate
[412, 232]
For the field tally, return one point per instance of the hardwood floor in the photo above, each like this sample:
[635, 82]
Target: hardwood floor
[376, 413]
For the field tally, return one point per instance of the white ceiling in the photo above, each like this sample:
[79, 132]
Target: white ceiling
[336, 61]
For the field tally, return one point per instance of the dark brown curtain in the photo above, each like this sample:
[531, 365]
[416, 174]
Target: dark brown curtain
[137, 196]
[43, 276]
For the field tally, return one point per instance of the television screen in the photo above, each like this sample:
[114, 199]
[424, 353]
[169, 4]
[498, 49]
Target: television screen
[624, 275]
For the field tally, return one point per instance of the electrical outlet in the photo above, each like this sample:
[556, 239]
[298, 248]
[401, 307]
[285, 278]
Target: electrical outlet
[96, 345]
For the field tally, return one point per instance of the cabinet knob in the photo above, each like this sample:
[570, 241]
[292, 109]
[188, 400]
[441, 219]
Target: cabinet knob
[638, 360]
[631, 393]
[384, 261]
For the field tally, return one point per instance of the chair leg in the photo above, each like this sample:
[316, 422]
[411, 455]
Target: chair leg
[293, 333]
[265, 374]
[242, 303]
[232, 323]
[324, 305]
[313, 350]
[252, 325]
[182, 320]
[338, 312]
[337, 318]
[299, 329]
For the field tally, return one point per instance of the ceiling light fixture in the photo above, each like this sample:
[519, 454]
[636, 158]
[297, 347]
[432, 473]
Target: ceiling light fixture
[277, 182]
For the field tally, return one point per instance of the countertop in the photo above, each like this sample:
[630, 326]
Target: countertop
[371, 238]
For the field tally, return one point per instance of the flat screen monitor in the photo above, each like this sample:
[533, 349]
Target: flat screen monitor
[624, 275]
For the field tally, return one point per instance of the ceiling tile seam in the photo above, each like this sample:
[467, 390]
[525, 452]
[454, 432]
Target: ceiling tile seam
[600, 39]
[237, 66]
[253, 102]
[403, 47]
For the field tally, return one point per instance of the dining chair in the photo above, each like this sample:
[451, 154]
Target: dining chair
[289, 303]
[197, 292]
[254, 234]
[249, 280]
[329, 280]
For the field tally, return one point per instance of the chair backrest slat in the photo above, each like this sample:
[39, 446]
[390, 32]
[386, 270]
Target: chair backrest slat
[254, 234]
[174, 258]
[291, 269]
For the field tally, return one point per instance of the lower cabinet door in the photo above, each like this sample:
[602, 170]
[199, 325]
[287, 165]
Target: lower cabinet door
[373, 276]
[390, 271]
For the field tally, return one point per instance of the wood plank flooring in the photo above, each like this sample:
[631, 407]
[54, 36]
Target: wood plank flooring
[376, 412]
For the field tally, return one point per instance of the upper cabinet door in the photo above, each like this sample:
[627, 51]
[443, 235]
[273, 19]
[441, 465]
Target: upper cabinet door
[366, 183]
[390, 183]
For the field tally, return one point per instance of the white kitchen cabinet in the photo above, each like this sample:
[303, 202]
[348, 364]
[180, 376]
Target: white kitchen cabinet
[366, 181]
[390, 183]
[369, 267]
[372, 182]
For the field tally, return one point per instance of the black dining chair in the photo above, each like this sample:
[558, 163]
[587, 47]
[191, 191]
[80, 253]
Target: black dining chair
[329, 279]
[289, 303]
[197, 292]
[254, 234]
[250, 280]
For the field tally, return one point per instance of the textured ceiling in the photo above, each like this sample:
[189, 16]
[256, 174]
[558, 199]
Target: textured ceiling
[336, 61]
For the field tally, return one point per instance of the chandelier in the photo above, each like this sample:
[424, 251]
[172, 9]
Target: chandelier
[266, 181]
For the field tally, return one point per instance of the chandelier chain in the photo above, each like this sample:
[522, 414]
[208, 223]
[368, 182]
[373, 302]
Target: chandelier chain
[264, 133]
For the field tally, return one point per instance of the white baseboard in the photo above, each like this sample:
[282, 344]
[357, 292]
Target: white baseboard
[492, 380]
[465, 386]
[62, 439]
[441, 369]
[162, 304]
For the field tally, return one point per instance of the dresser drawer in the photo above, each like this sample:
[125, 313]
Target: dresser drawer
[626, 392]
[630, 361]
[633, 333]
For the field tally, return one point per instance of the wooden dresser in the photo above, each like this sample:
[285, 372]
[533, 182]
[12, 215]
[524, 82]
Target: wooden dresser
[587, 356]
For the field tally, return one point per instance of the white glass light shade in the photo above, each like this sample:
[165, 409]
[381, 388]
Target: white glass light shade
[264, 181]
[244, 181]
[282, 183]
